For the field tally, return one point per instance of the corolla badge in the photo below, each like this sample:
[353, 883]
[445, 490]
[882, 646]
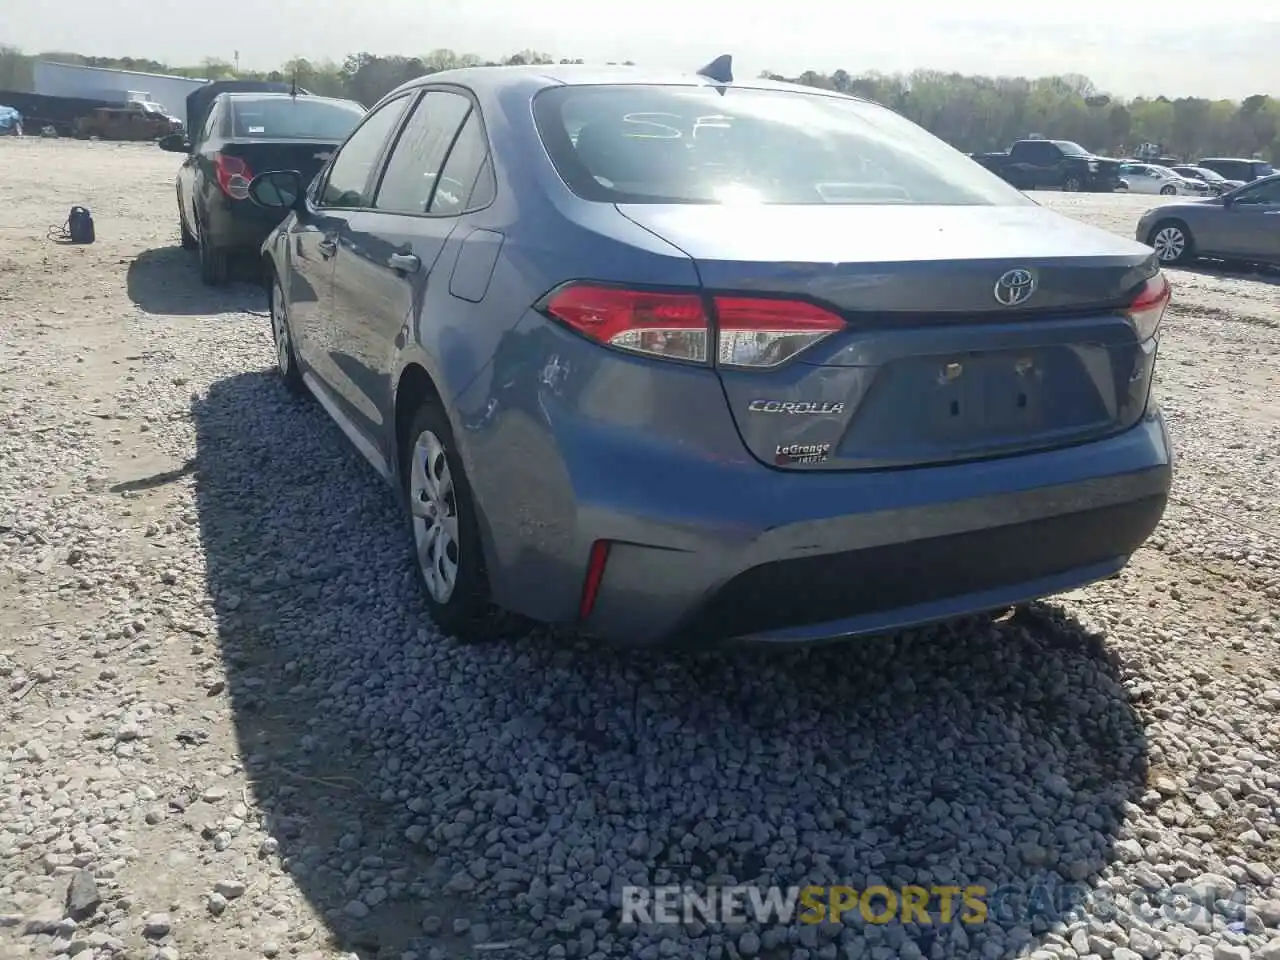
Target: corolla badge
[795, 406]
[1015, 287]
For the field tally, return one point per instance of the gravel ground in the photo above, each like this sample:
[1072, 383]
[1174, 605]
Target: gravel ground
[227, 728]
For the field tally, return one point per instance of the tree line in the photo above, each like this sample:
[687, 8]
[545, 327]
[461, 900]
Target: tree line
[974, 113]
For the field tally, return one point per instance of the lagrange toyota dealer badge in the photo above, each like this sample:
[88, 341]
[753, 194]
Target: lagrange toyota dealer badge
[802, 453]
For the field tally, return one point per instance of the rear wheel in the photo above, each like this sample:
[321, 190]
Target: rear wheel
[214, 269]
[1172, 242]
[185, 235]
[282, 334]
[446, 537]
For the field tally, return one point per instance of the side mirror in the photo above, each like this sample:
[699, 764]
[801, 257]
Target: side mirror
[278, 190]
[174, 143]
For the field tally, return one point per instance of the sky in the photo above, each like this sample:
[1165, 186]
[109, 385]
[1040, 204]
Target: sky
[1172, 47]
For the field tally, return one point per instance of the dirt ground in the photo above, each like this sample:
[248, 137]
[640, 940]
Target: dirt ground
[210, 716]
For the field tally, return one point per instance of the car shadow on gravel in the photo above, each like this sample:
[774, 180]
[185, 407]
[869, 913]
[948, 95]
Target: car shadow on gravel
[445, 799]
[1260, 273]
[166, 280]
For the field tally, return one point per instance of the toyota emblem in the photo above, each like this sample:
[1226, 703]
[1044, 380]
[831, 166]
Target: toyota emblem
[1015, 287]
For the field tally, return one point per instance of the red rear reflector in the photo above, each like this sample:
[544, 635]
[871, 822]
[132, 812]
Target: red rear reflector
[233, 176]
[595, 574]
[754, 332]
[1148, 307]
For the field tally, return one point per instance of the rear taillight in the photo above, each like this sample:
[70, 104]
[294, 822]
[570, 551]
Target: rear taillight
[1147, 309]
[764, 333]
[233, 176]
[749, 332]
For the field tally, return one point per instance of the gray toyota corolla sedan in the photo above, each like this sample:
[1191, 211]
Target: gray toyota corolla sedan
[1243, 224]
[669, 356]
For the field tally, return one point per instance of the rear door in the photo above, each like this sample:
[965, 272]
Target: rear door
[191, 176]
[344, 188]
[387, 253]
[1037, 163]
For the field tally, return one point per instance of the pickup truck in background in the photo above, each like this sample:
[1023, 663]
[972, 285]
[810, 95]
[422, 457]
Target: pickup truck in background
[125, 118]
[1053, 165]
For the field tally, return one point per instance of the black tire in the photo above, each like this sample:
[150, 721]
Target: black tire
[468, 613]
[1072, 185]
[1168, 190]
[185, 236]
[1165, 243]
[214, 269]
[286, 358]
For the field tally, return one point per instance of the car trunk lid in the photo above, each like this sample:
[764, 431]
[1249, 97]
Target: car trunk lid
[937, 360]
[261, 155]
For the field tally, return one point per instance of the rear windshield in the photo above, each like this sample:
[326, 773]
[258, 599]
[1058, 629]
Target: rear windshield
[1071, 149]
[686, 144]
[1263, 169]
[284, 118]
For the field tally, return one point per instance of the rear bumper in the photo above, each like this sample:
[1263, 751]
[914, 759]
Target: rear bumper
[706, 549]
[238, 225]
[870, 590]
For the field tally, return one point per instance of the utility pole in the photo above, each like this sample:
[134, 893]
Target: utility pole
[237, 59]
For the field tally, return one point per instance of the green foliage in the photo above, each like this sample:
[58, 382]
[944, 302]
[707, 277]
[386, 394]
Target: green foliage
[980, 114]
[974, 113]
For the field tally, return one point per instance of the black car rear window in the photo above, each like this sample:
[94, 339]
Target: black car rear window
[286, 118]
[634, 143]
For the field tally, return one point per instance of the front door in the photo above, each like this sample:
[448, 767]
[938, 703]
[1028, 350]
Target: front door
[1253, 223]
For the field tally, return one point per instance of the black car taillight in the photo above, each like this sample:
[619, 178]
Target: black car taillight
[233, 176]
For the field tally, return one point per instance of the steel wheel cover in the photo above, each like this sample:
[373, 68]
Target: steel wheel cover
[435, 517]
[280, 328]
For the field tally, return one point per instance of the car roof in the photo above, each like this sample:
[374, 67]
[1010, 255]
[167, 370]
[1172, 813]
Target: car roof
[1229, 160]
[495, 79]
[266, 95]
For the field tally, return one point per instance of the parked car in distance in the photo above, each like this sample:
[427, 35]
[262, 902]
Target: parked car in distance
[1245, 171]
[671, 357]
[1218, 184]
[129, 122]
[1241, 225]
[243, 132]
[1152, 178]
[1053, 164]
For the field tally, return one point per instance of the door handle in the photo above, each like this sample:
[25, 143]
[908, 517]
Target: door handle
[327, 247]
[404, 262]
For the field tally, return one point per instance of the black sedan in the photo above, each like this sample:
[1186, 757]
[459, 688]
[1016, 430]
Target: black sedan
[241, 134]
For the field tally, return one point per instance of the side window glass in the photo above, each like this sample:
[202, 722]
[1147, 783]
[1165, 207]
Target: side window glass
[459, 189]
[1268, 194]
[347, 184]
[210, 123]
[419, 153]
[486, 188]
